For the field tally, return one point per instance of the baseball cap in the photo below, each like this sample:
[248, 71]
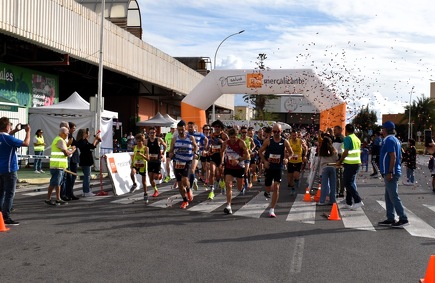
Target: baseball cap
[389, 125]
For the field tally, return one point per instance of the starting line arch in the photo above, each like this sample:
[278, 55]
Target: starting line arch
[331, 106]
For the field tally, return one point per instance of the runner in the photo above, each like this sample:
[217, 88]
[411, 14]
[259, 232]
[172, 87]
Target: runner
[254, 155]
[139, 164]
[182, 150]
[249, 142]
[155, 146]
[234, 153]
[201, 142]
[204, 158]
[168, 140]
[295, 161]
[272, 154]
[217, 139]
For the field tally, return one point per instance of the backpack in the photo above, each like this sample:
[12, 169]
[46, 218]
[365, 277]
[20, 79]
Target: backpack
[431, 163]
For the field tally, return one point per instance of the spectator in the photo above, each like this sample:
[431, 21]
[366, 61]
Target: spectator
[9, 166]
[86, 158]
[39, 147]
[410, 158]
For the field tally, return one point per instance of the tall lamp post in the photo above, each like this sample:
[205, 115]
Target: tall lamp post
[409, 112]
[213, 113]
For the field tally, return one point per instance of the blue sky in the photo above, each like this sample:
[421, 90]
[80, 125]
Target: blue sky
[374, 52]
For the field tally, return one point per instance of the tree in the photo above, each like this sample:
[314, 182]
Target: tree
[422, 114]
[260, 101]
[365, 120]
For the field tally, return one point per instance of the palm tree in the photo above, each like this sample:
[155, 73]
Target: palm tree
[422, 113]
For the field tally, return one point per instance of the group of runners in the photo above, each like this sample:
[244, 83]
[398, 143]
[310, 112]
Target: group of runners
[220, 156]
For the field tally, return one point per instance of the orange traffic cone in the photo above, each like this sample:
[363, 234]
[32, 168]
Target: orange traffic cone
[317, 196]
[334, 215]
[3, 228]
[307, 196]
[430, 272]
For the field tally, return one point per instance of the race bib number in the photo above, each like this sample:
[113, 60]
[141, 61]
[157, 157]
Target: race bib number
[154, 156]
[274, 158]
[139, 164]
[180, 165]
[295, 157]
[215, 148]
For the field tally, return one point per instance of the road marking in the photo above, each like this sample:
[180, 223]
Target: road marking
[211, 205]
[255, 207]
[301, 211]
[417, 227]
[167, 202]
[298, 254]
[130, 198]
[355, 219]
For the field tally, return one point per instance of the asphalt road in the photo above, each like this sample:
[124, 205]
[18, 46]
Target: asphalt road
[104, 240]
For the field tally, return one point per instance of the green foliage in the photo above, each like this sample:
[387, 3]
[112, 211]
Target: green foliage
[365, 120]
[422, 114]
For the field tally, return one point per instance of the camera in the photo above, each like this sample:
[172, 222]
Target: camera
[23, 126]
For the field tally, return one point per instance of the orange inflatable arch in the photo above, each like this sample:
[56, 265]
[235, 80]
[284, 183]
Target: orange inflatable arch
[331, 106]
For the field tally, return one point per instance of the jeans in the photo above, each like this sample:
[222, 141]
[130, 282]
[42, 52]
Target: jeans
[8, 184]
[329, 182]
[86, 178]
[392, 200]
[349, 180]
[70, 180]
[38, 161]
[410, 175]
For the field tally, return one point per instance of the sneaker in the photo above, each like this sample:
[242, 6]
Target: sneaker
[167, 179]
[133, 188]
[49, 202]
[357, 205]
[293, 192]
[65, 198]
[222, 184]
[184, 204]
[400, 224]
[61, 202]
[90, 194]
[40, 171]
[11, 222]
[74, 198]
[272, 214]
[386, 223]
[266, 194]
[37, 172]
[189, 195]
[211, 195]
[195, 184]
[243, 191]
[156, 194]
[145, 198]
[228, 210]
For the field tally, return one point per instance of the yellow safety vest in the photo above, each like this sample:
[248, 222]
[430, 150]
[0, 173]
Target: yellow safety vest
[354, 154]
[58, 160]
[297, 150]
[40, 141]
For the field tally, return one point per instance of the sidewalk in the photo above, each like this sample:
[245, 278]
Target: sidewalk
[29, 177]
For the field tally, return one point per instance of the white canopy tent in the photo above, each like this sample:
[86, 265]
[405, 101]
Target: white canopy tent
[157, 121]
[73, 109]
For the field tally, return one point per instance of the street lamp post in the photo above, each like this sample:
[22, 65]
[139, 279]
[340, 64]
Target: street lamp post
[213, 113]
[409, 112]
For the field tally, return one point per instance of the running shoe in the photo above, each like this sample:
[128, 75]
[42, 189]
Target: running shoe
[266, 194]
[167, 179]
[243, 191]
[156, 193]
[184, 204]
[145, 198]
[189, 195]
[293, 192]
[272, 214]
[211, 195]
[49, 202]
[400, 224]
[61, 202]
[133, 188]
[222, 184]
[228, 210]
[195, 184]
